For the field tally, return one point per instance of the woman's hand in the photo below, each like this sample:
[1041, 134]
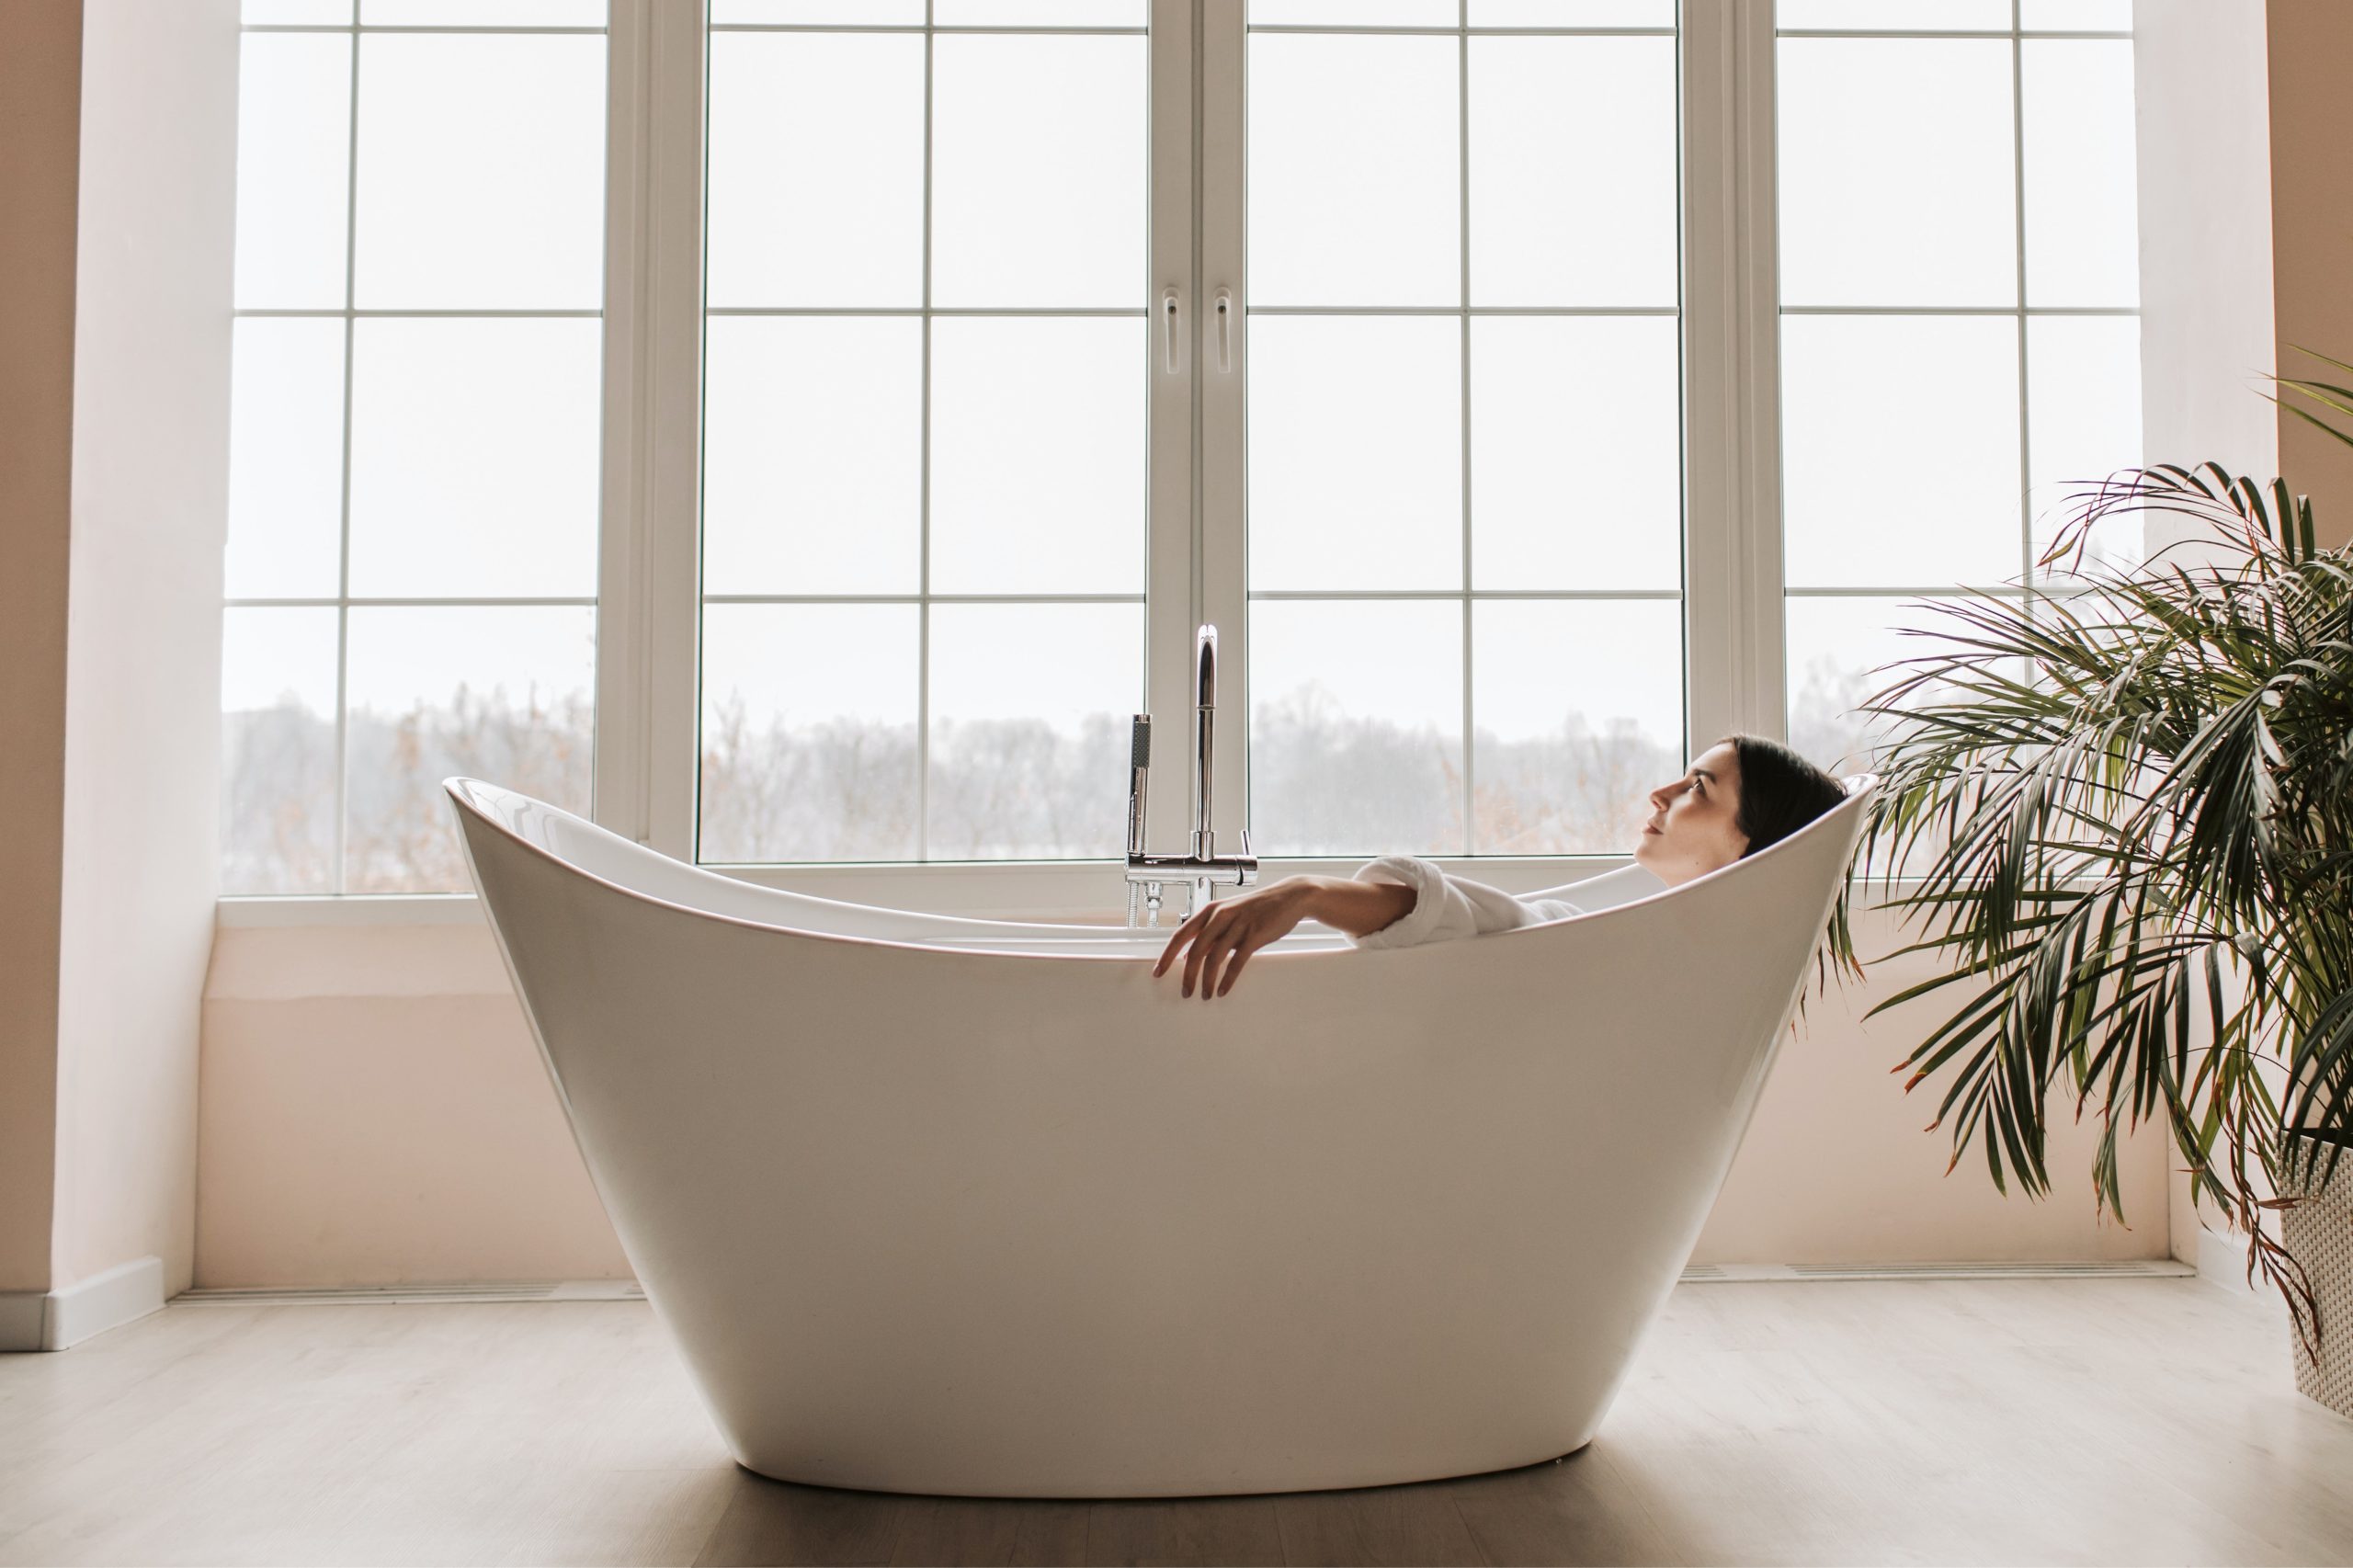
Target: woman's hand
[1236, 927]
[1233, 928]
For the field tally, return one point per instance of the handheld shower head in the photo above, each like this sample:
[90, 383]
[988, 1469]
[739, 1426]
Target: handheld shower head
[1139, 781]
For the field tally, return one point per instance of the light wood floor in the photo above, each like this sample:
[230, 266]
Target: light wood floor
[1946, 1421]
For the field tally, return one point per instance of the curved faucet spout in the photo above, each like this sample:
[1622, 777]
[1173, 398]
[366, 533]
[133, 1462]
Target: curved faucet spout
[1201, 867]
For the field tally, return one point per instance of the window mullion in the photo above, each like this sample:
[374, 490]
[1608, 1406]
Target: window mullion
[647, 620]
[1733, 661]
[1172, 586]
[1221, 596]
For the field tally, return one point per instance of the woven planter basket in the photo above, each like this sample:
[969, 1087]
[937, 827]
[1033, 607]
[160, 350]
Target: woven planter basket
[2318, 1234]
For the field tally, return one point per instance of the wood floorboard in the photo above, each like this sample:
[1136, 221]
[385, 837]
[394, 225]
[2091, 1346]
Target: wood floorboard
[776, 1522]
[1376, 1525]
[961, 1530]
[1184, 1531]
[1051, 1535]
[1562, 1512]
[2094, 1421]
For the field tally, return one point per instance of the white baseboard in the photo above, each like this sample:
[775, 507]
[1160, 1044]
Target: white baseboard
[2222, 1260]
[51, 1319]
[416, 1295]
[2097, 1269]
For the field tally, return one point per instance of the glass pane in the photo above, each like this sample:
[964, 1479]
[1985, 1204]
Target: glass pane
[500, 694]
[865, 13]
[1355, 13]
[298, 13]
[1356, 727]
[1576, 440]
[809, 732]
[293, 163]
[1039, 13]
[2082, 215]
[813, 455]
[1356, 452]
[1900, 450]
[1896, 16]
[1030, 711]
[474, 461]
[1573, 171]
[1576, 715]
[1896, 172]
[1842, 652]
[816, 169]
[1572, 13]
[2077, 16]
[2084, 423]
[1355, 170]
[278, 751]
[482, 172]
[1039, 169]
[1039, 459]
[285, 458]
[482, 13]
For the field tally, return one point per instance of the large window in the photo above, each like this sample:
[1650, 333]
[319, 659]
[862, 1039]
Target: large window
[855, 404]
[414, 428]
[926, 431]
[1960, 324]
[1463, 505]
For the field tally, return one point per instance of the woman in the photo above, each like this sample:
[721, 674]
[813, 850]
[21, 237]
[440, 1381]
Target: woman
[1742, 794]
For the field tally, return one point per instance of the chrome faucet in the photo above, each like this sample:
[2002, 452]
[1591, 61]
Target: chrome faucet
[1202, 868]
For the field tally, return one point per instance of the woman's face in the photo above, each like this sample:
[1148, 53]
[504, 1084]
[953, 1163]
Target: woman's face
[1692, 828]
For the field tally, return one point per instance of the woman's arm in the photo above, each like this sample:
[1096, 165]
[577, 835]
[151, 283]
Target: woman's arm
[1229, 930]
[1446, 907]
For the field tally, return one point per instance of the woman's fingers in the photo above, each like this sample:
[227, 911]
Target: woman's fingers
[1241, 956]
[1177, 939]
[1218, 947]
[1232, 950]
[1214, 921]
[1218, 939]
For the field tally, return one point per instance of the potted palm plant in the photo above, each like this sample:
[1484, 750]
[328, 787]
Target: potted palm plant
[2119, 810]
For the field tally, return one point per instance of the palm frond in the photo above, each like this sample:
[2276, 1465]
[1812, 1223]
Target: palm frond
[2118, 812]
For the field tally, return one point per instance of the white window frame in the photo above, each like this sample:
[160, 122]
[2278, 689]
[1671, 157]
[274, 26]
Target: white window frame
[647, 696]
[647, 700]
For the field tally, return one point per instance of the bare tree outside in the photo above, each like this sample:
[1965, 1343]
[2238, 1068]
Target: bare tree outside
[1325, 783]
[278, 794]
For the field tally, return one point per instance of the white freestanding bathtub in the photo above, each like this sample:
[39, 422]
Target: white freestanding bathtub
[971, 1206]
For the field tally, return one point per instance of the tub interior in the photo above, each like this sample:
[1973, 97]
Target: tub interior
[610, 858]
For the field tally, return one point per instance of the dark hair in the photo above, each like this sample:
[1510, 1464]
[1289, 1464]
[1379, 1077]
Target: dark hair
[1779, 790]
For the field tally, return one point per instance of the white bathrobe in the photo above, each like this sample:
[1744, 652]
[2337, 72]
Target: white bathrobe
[1448, 906]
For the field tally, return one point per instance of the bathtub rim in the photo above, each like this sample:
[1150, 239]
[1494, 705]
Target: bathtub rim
[1859, 788]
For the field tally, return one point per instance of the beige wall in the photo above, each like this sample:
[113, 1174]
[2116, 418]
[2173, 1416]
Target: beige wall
[2311, 60]
[2206, 313]
[118, 125]
[41, 48]
[375, 1112]
[2199, 83]
[150, 443]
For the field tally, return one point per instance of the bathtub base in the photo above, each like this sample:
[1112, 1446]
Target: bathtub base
[909, 1485]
